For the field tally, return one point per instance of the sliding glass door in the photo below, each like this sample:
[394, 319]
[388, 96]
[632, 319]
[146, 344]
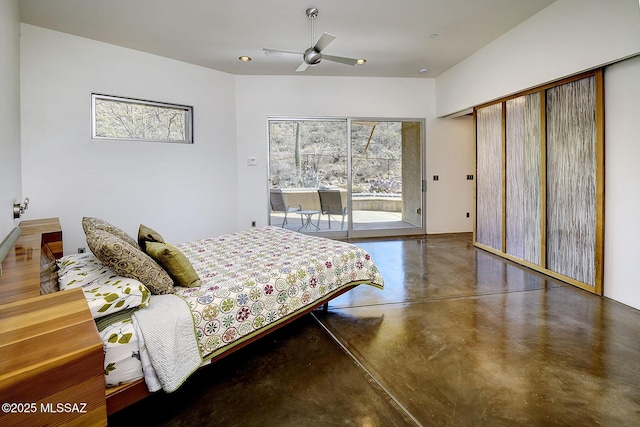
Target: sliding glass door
[386, 176]
[346, 177]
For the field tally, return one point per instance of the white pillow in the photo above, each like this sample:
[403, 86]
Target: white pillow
[121, 352]
[105, 291]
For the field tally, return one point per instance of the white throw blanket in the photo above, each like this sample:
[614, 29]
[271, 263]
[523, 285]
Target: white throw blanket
[169, 335]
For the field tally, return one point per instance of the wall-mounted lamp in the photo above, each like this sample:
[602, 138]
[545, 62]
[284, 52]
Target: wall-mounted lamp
[19, 208]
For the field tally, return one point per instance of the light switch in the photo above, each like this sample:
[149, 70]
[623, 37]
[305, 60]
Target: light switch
[252, 161]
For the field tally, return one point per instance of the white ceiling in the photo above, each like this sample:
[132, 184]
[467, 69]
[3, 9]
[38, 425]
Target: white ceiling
[398, 38]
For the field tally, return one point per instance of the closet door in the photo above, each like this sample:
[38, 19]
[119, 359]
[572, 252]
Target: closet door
[571, 179]
[489, 172]
[540, 179]
[523, 179]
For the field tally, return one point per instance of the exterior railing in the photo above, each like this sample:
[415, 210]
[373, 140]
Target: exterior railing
[308, 199]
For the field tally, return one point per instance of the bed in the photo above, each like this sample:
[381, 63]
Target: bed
[164, 311]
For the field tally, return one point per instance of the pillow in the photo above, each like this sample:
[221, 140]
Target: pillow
[174, 262]
[89, 224]
[121, 349]
[129, 261]
[105, 291]
[77, 270]
[48, 271]
[146, 234]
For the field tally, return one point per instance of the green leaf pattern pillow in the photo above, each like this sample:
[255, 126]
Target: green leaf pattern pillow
[121, 353]
[105, 291]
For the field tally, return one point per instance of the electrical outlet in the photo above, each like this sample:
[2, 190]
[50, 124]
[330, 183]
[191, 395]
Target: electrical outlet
[470, 177]
[253, 223]
[436, 177]
[467, 214]
[81, 250]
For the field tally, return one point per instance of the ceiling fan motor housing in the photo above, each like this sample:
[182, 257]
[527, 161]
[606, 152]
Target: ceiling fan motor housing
[312, 56]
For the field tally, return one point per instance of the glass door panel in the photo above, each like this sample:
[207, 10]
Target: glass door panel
[306, 156]
[386, 192]
[346, 178]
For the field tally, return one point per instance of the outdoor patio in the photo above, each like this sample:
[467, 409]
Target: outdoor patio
[362, 220]
[370, 212]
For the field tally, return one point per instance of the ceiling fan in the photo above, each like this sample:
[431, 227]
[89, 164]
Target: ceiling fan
[313, 55]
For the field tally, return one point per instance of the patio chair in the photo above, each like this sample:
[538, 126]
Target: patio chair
[331, 204]
[276, 197]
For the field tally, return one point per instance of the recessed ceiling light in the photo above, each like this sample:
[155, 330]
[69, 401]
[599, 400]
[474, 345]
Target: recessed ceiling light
[433, 36]
[245, 58]
[361, 61]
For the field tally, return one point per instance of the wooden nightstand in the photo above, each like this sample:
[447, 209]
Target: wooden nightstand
[51, 362]
[22, 268]
[49, 229]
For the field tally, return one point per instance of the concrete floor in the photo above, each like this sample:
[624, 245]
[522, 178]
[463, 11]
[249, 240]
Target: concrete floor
[458, 337]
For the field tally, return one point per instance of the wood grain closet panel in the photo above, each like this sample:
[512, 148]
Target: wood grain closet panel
[489, 176]
[532, 179]
[523, 163]
[571, 179]
[515, 177]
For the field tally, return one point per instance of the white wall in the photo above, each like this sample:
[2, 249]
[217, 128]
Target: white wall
[451, 156]
[188, 191]
[622, 199]
[10, 177]
[183, 191]
[304, 96]
[565, 38]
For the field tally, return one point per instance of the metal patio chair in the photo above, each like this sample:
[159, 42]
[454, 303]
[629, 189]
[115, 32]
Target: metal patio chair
[331, 204]
[278, 204]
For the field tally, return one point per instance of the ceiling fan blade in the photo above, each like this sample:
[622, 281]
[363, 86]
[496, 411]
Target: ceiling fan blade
[324, 41]
[340, 59]
[302, 67]
[267, 51]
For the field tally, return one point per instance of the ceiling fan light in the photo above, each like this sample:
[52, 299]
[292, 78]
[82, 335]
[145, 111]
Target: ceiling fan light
[245, 58]
[361, 61]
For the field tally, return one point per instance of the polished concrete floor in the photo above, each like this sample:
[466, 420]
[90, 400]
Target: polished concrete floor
[458, 337]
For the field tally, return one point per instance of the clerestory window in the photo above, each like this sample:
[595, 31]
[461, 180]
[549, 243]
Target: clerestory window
[121, 118]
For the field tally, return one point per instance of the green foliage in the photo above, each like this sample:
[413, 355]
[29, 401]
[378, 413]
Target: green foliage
[312, 153]
[381, 185]
[131, 120]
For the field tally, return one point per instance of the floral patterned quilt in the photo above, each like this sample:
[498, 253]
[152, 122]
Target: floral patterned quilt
[258, 278]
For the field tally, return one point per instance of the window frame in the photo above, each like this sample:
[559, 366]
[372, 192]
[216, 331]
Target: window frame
[188, 111]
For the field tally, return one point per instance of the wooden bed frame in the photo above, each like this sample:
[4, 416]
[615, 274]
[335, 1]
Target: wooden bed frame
[21, 281]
